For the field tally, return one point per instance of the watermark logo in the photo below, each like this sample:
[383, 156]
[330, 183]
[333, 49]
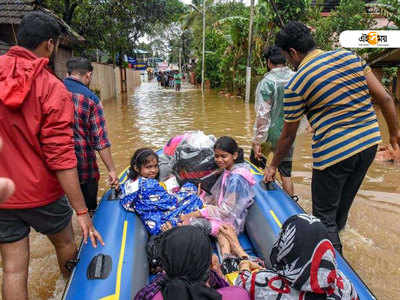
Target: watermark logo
[373, 38]
[370, 39]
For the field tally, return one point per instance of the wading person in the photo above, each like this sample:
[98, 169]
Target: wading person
[90, 134]
[269, 111]
[333, 89]
[178, 81]
[36, 127]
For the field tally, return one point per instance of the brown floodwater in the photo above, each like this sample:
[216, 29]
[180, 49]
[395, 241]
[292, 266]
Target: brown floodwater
[152, 115]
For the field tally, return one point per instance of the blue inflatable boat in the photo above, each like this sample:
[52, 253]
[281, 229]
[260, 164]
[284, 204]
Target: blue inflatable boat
[119, 269]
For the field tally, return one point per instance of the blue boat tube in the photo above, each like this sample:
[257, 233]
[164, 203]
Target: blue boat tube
[118, 270]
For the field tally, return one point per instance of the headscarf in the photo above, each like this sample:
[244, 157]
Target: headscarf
[305, 258]
[186, 258]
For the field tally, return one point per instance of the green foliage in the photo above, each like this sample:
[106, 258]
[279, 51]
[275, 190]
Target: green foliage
[227, 37]
[349, 15]
[389, 73]
[116, 25]
[216, 44]
[233, 63]
[227, 32]
[291, 10]
[226, 41]
[180, 43]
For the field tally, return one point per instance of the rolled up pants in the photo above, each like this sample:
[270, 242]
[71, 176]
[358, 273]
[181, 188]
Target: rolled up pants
[334, 189]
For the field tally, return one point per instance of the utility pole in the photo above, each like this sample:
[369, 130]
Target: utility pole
[204, 45]
[250, 48]
[180, 60]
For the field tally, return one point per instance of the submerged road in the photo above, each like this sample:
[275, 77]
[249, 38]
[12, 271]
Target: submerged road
[153, 114]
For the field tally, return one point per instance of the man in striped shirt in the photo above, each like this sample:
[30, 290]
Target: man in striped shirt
[333, 89]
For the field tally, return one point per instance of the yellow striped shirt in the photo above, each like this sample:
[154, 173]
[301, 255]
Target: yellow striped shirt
[331, 89]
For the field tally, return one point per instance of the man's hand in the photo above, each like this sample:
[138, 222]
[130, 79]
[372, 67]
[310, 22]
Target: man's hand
[113, 178]
[269, 174]
[257, 150]
[89, 231]
[394, 149]
[106, 157]
[395, 141]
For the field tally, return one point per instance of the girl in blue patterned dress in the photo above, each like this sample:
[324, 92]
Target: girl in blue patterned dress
[143, 194]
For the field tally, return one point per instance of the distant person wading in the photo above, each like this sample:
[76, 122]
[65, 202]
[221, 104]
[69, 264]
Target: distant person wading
[269, 115]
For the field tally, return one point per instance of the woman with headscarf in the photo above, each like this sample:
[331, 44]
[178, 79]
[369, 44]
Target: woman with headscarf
[303, 265]
[185, 255]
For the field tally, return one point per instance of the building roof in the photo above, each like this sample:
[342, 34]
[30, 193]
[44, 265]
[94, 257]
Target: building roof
[386, 58]
[12, 12]
[328, 5]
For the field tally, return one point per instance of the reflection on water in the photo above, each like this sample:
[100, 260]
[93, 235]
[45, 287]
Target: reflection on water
[152, 115]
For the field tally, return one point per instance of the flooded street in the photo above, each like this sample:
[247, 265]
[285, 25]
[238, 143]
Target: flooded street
[154, 114]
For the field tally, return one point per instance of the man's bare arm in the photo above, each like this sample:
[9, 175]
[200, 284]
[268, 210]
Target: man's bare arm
[386, 103]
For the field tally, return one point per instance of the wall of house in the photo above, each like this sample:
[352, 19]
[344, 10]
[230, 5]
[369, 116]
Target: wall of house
[103, 81]
[132, 79]
[107, 82]
[60, 63]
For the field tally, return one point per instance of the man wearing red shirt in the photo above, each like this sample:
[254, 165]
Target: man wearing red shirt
[36, 117]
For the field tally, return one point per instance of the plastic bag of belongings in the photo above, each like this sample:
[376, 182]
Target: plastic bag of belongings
[190, 157]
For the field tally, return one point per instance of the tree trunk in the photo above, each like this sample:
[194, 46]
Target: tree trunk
[69, 10]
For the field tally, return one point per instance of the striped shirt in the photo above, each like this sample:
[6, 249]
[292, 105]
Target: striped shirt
[331, 89]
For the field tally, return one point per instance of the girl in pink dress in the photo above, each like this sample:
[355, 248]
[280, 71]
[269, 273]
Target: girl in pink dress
[231, 195]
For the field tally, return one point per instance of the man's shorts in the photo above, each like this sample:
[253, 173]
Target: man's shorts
[15, 224]
[285, 168]
[89, 191]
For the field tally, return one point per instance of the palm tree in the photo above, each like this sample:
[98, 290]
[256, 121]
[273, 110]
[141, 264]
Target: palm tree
[195, 15]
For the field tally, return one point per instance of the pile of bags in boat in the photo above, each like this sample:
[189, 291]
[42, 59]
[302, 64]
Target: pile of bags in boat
[190, 158]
